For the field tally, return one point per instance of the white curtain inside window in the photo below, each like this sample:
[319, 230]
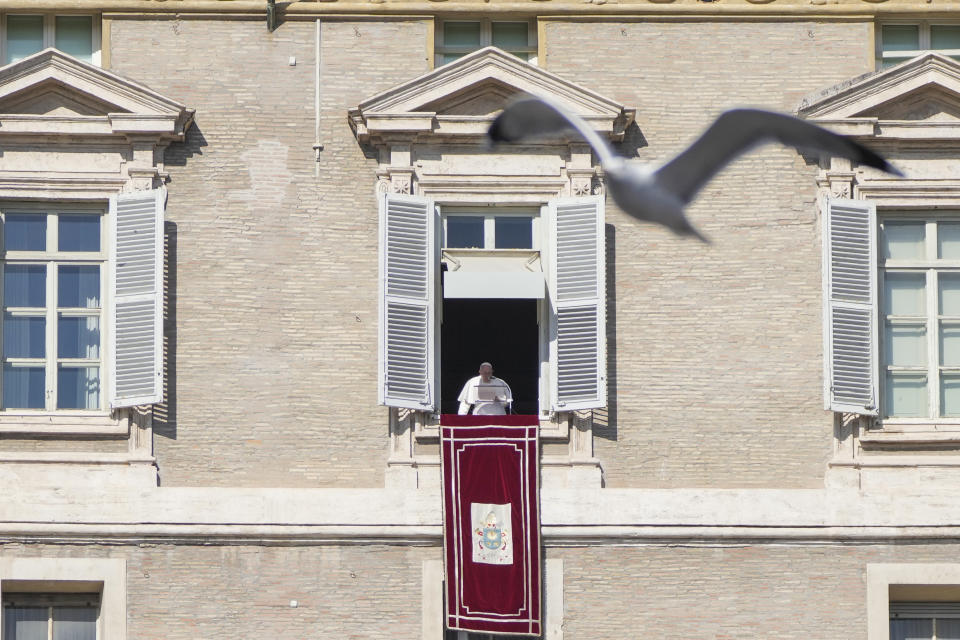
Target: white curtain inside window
[74, 623]
[911, 629]
[25, 623]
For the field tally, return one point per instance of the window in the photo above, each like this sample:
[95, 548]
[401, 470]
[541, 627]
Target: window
[80, 334]
[546, 320]
[924, 620]
[920, 308]
[457, 38]
[50, 616]
[52, 292]
[485, 229]
[74, 34]
[899, 42]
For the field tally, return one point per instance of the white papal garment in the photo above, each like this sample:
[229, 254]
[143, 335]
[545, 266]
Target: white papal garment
[484, 407]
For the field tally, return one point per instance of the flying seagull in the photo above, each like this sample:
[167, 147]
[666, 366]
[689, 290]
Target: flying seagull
[660, 195]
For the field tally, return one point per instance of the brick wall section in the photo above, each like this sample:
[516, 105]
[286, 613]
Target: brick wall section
[718, 377]
[276, 269]
[185, 592]
[193, 592]
[737, 592]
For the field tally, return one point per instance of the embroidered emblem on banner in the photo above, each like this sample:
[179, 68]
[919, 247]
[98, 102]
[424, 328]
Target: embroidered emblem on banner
[491, 533]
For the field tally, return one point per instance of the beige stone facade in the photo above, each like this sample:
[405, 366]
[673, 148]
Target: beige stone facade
[270, 494]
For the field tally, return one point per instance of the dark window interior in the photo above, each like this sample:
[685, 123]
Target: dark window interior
[502, 332]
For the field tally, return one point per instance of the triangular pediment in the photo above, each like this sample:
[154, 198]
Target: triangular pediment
[460, 98]
[914, 93]
[51, 85]
[54, 98]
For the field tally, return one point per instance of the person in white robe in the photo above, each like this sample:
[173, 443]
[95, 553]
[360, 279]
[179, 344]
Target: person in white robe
[473, 396]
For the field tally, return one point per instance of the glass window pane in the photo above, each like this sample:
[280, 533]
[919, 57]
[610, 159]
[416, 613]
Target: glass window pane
[904, 294]
[74, 36]
[74, 623]
[24, 336]
[950, 395]
[900, 37]
[508, 35]
[513, 232]
[906, 345]
[25, 285]
[948, 629]
[950, 345]
[461, 34]
[78, 387]
[945, 36]
[24, 36]
[79, 286]
[903, 240]
[78, 337]
[79, 232]
[948, 240]
[949, 294]
[906, 395]
[23, 387]
[25, 232]
[465, 232]
[25, 623]
[450, 57]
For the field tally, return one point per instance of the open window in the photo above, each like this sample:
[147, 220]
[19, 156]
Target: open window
[534, 308]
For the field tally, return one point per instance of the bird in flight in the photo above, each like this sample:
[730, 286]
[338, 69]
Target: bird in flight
[660, 195]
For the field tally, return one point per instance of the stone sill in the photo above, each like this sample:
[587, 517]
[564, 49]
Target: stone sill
[62, 424]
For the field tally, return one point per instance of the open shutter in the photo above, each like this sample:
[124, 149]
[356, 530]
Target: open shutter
[851, 371]
[408, 263]
[577, 291]
[136, 278]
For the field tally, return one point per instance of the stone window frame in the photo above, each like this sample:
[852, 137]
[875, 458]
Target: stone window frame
[106, 576]
[883, 577]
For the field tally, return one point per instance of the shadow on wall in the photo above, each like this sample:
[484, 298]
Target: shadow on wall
[605, 420]
[178, 153]
[165, 413]
[633, 141]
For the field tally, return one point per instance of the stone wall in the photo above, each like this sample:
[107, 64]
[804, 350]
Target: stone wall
[274, 316]
[715, 354]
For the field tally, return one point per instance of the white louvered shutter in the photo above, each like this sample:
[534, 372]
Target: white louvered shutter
[577, 291]
[408, 263]
[136, 277]
[851, 370]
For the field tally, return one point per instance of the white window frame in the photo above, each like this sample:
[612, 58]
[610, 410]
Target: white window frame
[53, 259]
[49, 32]
[895, 57]
[886, 579]
[931, 267]
[486, 38]
[489, 215]
[106, 576]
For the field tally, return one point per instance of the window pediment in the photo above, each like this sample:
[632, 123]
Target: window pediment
[53, 93]
[918, 99]
[459, 100]
[70, 129]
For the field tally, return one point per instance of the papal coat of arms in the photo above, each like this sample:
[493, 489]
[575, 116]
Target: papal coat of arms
[491, 528]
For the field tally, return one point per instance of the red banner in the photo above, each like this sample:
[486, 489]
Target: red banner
[491, 523]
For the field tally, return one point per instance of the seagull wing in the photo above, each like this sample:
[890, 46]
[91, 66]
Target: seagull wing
[736, 131]
[536, 117]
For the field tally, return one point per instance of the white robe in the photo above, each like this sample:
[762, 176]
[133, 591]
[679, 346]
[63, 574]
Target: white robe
[484, 407]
